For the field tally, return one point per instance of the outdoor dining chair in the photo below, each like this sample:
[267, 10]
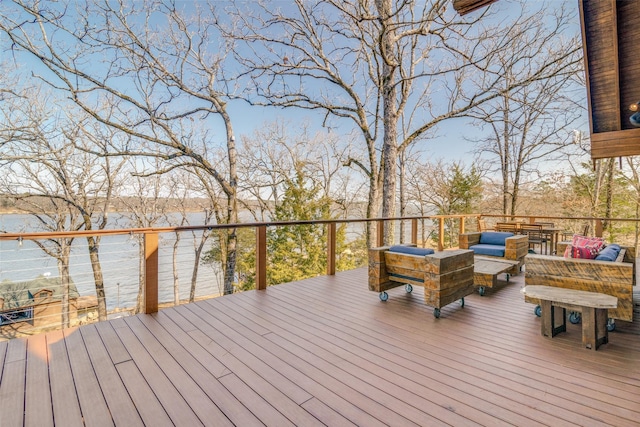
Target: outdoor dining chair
[536, 236]
[507, 226]
[569, 235]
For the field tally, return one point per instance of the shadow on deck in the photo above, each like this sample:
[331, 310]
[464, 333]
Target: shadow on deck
[323, 351]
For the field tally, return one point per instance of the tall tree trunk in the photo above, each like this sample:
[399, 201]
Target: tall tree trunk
[373, 206]
[98, 278]
[514, 197]
[196, 265]
[609, 190]
[506, 164]
[176, 281]
[141, 275]
[403, 206]
[390, 115]
[232, 205]
[65, 278]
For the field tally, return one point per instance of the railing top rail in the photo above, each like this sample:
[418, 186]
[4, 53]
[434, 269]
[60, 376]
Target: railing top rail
[168, 229]
[564, 218]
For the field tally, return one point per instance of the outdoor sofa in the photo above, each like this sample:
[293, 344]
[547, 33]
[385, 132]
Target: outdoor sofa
[612, 272]
[499, 244]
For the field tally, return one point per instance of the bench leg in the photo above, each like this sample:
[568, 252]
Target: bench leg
[594, 327]
[549, 325]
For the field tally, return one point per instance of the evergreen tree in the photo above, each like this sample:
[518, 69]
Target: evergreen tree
[298, 251]
[465, 190]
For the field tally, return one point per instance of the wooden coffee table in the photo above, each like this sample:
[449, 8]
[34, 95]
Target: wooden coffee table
[593, 306]
[486, 270]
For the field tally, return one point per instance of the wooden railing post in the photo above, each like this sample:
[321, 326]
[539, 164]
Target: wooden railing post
[440, 234]
[380, 233]
[414, 231]
[331, 249]
[599, 228]
[261, 257]
[150, 273]
[461, 229]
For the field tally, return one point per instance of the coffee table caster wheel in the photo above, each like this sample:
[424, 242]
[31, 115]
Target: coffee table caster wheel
[461, 302]
[538, 311]
[574, 317]
[481, 291]
[384, 296]
[436, 313]
[611, 325]
[408, 288]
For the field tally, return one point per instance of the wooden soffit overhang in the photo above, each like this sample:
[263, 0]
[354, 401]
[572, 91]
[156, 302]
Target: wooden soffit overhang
[466, 6]
[610, 31]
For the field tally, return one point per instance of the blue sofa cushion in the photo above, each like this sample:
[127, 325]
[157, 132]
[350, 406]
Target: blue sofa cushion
[491, 250]
[494, 237]
[411, 250]
[609, 253]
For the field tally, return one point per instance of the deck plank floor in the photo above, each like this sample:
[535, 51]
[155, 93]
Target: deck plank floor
[324, 351]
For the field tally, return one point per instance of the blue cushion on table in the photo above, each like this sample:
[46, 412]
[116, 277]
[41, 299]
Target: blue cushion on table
[411, 250]
[494, 237]
[609, 253]
[491, 250]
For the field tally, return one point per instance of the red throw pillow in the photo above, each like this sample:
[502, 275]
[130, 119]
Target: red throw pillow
[597, 242]
[583, 252]
[584, 247]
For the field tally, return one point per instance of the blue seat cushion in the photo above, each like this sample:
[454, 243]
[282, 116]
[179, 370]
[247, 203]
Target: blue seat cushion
[494, 237]
[411, 250]
[609, 253]
[491, 250]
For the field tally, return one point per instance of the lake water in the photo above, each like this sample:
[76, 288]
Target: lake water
[119, 257]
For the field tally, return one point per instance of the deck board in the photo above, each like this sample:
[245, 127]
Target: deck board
[66, 405]
[324, 351]
[115, 393]
[38, 410]
[167, 392]
[13, 382]
[92, 402]
[204, 368]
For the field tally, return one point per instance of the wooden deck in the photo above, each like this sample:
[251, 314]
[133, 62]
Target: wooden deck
[323, 351]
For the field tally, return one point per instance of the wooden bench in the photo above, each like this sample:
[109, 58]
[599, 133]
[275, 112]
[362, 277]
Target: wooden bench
[446, 276]
[593, 306]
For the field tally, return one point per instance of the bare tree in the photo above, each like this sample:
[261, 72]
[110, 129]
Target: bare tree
[142, 206]
[272, 155]
[586, 180]
[96, 189]
[189, 198]
[633, 178]
[443, 189]
[531, 123]
[373, 62]
[165, 84]
[59, 184]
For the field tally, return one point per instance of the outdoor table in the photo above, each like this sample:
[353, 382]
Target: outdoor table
[554, 236]
[486, 271]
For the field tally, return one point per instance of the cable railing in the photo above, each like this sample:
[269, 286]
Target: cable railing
[141, 270]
